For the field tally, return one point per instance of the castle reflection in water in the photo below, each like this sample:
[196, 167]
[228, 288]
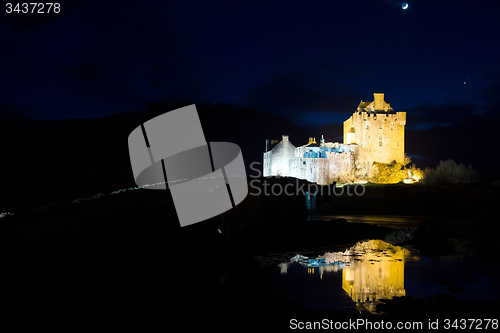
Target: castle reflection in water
[371, 271]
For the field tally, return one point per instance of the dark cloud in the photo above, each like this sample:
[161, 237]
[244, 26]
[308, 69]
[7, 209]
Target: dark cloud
[489, 96]
[303, 91]
[450, 114]
[455, 132]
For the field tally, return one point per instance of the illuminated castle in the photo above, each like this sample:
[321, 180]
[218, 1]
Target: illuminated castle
[374, 133]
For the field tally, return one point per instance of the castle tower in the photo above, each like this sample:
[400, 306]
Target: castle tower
[378, 131]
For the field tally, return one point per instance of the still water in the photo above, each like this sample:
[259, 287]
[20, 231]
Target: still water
[407, 221]
[357, 279]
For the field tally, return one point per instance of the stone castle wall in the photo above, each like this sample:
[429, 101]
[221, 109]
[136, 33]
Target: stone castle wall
[322, 170]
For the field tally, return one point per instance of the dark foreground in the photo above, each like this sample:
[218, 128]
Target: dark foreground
[107, 263]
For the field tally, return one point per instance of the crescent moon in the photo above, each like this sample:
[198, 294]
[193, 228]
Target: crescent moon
[404, 5]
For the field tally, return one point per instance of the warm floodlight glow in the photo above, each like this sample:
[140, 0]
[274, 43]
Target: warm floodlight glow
[377, 273]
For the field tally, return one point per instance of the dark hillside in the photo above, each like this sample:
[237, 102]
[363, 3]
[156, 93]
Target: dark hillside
[47, 161]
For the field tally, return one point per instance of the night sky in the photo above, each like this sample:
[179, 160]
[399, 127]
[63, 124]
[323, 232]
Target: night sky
[309, 61]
